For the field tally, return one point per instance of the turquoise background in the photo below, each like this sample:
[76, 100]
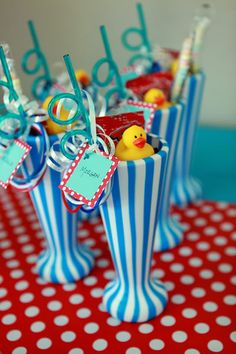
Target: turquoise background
[214, 162]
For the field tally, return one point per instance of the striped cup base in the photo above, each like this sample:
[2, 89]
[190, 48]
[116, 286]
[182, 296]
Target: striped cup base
[186, 191]
[149, 300]
[63, 269]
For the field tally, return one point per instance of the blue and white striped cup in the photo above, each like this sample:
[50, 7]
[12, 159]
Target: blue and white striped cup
[64, 259]
[167, 124]
[186, 188]
[130, 217]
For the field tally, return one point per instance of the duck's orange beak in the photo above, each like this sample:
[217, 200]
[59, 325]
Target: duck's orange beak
[160, 100]
[140, 142]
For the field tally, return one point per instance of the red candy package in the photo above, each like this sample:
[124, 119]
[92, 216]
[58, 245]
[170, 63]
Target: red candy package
[115, 125]
[160, 80]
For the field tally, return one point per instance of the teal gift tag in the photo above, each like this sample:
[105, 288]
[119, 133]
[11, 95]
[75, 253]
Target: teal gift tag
[11, 159]
[88, 175]
[148, 110]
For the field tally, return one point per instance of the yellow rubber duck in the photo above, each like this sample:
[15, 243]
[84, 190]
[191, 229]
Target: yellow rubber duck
[52, 127]
[156, 96]
[133, 145]
[83, 77]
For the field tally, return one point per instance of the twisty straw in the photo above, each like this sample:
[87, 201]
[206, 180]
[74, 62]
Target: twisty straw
[40, 64]
[144, 45]
[113, 71]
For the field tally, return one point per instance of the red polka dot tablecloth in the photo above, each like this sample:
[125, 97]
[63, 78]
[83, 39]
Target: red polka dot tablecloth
[38, 317]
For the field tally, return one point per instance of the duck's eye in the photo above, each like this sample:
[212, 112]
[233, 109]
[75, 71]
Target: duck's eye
[141, 134]
[135, 136]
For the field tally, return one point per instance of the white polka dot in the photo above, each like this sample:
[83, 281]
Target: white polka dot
[177, 267]
[32, 311]
[185, 251]
[9, 319]
[210, 306]
[8, 254]
[213, 256]
[233, 336]
[32, 259]
[218, 286]
[178, 299]
[27, 249]
[210, 231]
[96, 292]
[193, 236]
[37, 326]
[26, 297]
[216, 217]
[179, 336]
[91, 327]
[133, 350]
[158, 273]
[206, 274]
[99, 228]
[15, 274]
[195, 262]
[68, 336]
[189, 313]
[223, 321]
[61, 320]
[13, 263]
[113, 322]
[230, 251]
[76, 351]
[168, 321]
[220, 240]
[231, 212]
[83, 313]
[201, 328]
[200, 222]
[233, 236]
[49, 291]
[40, 281]
[100, 345]
[102, 307]
[192, 351]
[222, 205]
[207, 209]
[109, 274]
[226, 226]
[102, 263]
[156, 344]
[5, 305]
[76, 299]
[5, 244]
[3, 292]
[90, 281]
[191, 213]
[187, 279]
[233, 280]
[123, 336]
[225, 268]
[69, 287]
[146, 328]
[215, 346]
[169, 285]
[198, 292]
[14, 335]
[19, 350]
[203, 246]
[97, 252]
[54, 305]
[44, 343]
[230, 300]
[167, 257]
